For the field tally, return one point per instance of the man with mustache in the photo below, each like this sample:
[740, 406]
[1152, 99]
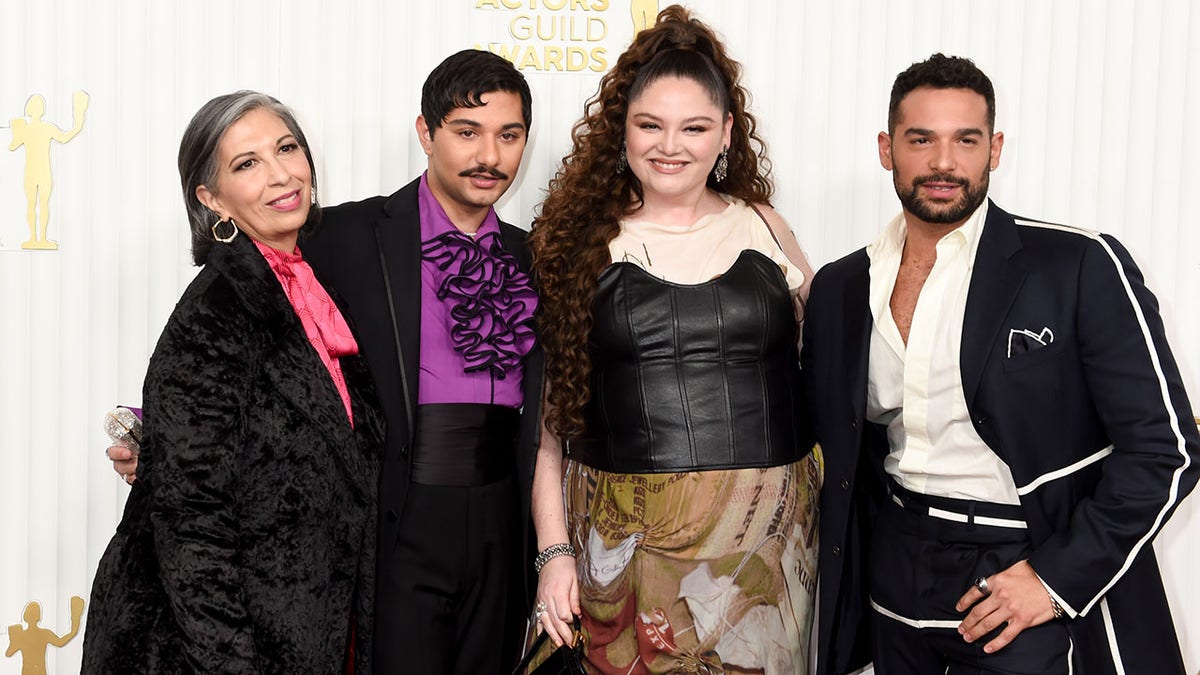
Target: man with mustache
[435, 287]
[1004, 426]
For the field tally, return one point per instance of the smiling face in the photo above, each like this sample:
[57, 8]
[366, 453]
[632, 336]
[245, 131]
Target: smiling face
[264, 182]
[474, 156]
[673, 134]
[941, 153]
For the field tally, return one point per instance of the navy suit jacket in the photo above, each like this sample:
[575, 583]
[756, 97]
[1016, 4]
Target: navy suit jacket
[1095, 427]
[370, 253]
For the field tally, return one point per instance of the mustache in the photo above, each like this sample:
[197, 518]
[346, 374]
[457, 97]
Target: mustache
[940, 178]
[487, 171]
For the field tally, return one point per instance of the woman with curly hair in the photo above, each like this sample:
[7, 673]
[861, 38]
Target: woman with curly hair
[671, 297]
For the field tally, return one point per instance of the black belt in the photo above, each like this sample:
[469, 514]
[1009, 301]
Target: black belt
[464, 444]
[958, 510]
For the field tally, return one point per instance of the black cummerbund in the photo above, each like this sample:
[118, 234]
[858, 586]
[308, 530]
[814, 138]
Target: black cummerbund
[464, 444]
[693, 377]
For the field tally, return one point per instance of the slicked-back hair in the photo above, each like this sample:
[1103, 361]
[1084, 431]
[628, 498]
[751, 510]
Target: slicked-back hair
[685, 64]
[198, 159]
[942, 72]
[463, 78]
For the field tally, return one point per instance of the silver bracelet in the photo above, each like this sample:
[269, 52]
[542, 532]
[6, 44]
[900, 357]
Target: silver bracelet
[550, 552]
[1055, 607]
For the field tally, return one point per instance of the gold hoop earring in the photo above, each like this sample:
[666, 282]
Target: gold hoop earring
[232, 235]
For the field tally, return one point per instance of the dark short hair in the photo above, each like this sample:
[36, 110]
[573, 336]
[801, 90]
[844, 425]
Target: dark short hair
[198, 158]
[942, 72]
[463, 78]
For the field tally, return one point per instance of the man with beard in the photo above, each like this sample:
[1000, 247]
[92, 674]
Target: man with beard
[1004, 426]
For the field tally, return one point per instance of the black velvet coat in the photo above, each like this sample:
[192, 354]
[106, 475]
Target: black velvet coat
[248, 540]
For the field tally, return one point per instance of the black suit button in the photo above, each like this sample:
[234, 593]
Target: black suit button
[845, 484]
[404, 450]
[853, 423]
[837, 551]
[980, 421]
[392, 516]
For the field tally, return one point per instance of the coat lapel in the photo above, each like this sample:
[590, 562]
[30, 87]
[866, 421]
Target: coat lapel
[368, 411]
[995, 280]
[515, 243]
[298, 374]
[857, 315]
[295, 369]
[399, 237]
[290, 363]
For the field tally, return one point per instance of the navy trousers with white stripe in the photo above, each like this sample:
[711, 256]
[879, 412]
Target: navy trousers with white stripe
[921, 564]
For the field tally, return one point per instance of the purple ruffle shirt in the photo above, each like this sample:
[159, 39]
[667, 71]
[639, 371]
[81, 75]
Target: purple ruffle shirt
[477, 310]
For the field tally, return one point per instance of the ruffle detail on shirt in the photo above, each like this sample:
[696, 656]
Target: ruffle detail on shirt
[491, 301]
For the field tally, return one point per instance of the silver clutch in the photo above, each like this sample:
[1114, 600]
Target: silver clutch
[124, 426]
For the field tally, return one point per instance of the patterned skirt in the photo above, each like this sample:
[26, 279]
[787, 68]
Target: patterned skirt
[698, 572]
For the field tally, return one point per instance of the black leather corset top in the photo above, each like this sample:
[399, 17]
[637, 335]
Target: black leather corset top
[692, 377]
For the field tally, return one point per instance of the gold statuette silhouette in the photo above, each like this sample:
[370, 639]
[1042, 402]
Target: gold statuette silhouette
[36, 135]
[643, 13]
[32, 640]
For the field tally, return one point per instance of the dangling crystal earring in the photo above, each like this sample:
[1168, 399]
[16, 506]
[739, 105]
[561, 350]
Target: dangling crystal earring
[721, 169]
[312, 195]
[232, 235]
[622, 161]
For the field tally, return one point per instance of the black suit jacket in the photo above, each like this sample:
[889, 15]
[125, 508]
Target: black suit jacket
[247, 543]
[370, 253]
[1095, 427]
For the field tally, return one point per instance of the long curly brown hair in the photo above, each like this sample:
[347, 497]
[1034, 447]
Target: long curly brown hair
[588, 196]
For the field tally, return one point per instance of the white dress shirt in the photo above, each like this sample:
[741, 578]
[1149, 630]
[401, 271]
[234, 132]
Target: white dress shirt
[916, 391]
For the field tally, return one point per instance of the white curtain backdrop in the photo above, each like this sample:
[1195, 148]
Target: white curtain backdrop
[1099, 100]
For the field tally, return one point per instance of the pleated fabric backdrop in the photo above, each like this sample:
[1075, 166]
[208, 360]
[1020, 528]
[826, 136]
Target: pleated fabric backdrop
[1099, 101]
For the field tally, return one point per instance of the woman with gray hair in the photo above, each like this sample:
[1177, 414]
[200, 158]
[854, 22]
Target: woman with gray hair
[247, 543]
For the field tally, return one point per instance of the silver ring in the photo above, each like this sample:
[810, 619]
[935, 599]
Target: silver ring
[982, 584]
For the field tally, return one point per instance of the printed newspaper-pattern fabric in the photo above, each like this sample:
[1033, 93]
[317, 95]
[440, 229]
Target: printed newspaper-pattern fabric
[697, 572]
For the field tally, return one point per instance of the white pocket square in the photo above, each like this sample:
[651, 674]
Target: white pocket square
[1023, 340]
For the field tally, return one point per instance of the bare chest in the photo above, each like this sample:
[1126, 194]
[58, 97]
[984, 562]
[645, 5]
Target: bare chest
[910, 279]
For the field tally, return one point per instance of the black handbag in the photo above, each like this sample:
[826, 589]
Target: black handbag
[566, 660]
